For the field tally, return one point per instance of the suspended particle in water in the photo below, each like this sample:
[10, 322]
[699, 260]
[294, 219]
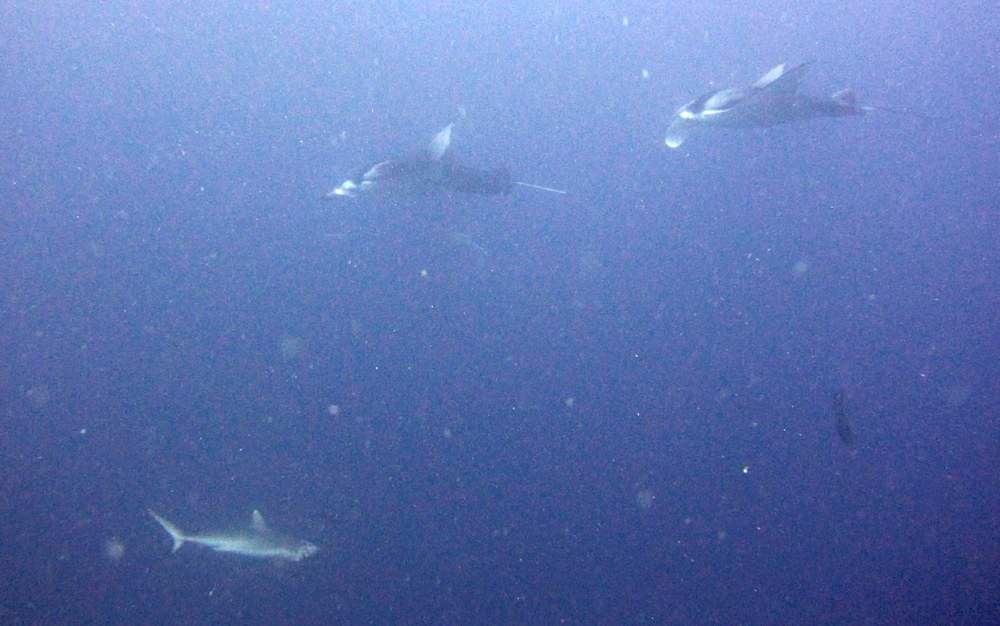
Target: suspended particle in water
[114, 548]
[645, 498]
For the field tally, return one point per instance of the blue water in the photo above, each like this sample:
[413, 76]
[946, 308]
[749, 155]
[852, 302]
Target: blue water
[609, 407]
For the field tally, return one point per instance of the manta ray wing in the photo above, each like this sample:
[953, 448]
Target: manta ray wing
[441, 142]
[773, 99]
[782, 81]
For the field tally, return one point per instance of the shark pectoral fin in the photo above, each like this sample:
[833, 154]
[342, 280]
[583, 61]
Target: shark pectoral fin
[175, 533]
[439, 145]
[257, 522]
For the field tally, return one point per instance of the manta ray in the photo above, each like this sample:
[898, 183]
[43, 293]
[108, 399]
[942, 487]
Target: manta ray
[774, 99]
[431, 171]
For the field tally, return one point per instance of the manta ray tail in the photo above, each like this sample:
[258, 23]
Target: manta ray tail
[920, 116]
[175, 533]
[540, 187]
[846, 98]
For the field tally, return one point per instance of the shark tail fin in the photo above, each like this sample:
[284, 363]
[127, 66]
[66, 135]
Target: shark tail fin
[175, 533]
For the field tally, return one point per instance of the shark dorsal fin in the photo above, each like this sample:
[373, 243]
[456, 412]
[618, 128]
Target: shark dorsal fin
[781, 79]
[439, 145]
[257, 522]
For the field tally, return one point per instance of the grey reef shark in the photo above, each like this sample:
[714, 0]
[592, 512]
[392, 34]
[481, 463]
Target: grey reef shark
[256, 541]
[772, 100]
[433, 171]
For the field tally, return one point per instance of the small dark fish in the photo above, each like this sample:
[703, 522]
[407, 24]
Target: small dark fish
[844, 428]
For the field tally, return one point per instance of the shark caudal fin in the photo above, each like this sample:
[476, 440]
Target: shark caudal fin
[175, 533]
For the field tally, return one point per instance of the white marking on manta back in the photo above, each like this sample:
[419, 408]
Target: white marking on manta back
[772, 75]
[439, 145]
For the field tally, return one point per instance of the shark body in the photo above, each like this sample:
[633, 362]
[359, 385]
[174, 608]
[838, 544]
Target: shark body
[774, 99]
[256, 541]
